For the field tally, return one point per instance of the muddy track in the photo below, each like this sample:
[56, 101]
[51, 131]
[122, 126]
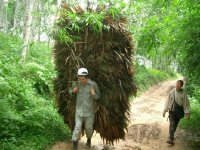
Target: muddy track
[148, 130]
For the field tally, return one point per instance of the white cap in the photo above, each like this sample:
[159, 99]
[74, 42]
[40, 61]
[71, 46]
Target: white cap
[82, 72]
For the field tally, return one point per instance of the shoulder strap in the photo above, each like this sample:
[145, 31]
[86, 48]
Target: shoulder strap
[174, 100]
[174, 96]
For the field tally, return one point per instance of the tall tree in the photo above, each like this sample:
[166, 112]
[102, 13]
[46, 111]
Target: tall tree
[38, 11]
[58, 3]
[188, 40]
[27, 28]
[16, 19]
[3, 15]
[39, 19]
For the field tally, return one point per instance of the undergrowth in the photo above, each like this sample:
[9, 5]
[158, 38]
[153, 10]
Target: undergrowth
[28, 116]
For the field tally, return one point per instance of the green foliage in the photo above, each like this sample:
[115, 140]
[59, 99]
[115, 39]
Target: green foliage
[116, 8]
[193, 123]
[94, 20]
[10, 11]
[64, 36]
[147, 77]
[28, 116]
[167, 32]
[75, 20]
[150, 32]
[71, 21]
[188, 41]
[78, 22]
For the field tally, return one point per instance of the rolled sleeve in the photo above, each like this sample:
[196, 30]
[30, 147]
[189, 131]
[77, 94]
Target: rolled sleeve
[165, 107]
[167, 103]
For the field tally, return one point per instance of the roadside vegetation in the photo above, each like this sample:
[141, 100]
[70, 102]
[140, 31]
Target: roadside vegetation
[29, 119]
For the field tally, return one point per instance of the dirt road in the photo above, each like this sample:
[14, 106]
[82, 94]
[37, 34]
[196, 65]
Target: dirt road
[148, 130]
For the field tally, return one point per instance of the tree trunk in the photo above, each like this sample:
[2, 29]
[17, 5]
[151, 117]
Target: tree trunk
[3, 15]
[58, 3]
[16, 20]
[27, 28]
[37, 24]
[39, 20]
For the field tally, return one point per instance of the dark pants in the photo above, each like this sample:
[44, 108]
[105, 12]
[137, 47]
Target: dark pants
[173, 123]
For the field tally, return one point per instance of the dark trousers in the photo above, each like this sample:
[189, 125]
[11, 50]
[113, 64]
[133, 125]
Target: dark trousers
[173, 123]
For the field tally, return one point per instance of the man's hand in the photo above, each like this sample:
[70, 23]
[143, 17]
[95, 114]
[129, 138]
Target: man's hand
[92, 91]
[75, 90]
[164, 114]
[187, 116]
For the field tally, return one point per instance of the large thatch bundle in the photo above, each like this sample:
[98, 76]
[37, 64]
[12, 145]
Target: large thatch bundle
[103, 45]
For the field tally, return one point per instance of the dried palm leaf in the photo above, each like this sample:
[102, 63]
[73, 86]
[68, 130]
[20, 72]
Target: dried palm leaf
[108, 57]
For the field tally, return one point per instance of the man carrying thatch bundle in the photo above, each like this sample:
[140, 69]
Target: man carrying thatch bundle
[100, 41]
[86, 91]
